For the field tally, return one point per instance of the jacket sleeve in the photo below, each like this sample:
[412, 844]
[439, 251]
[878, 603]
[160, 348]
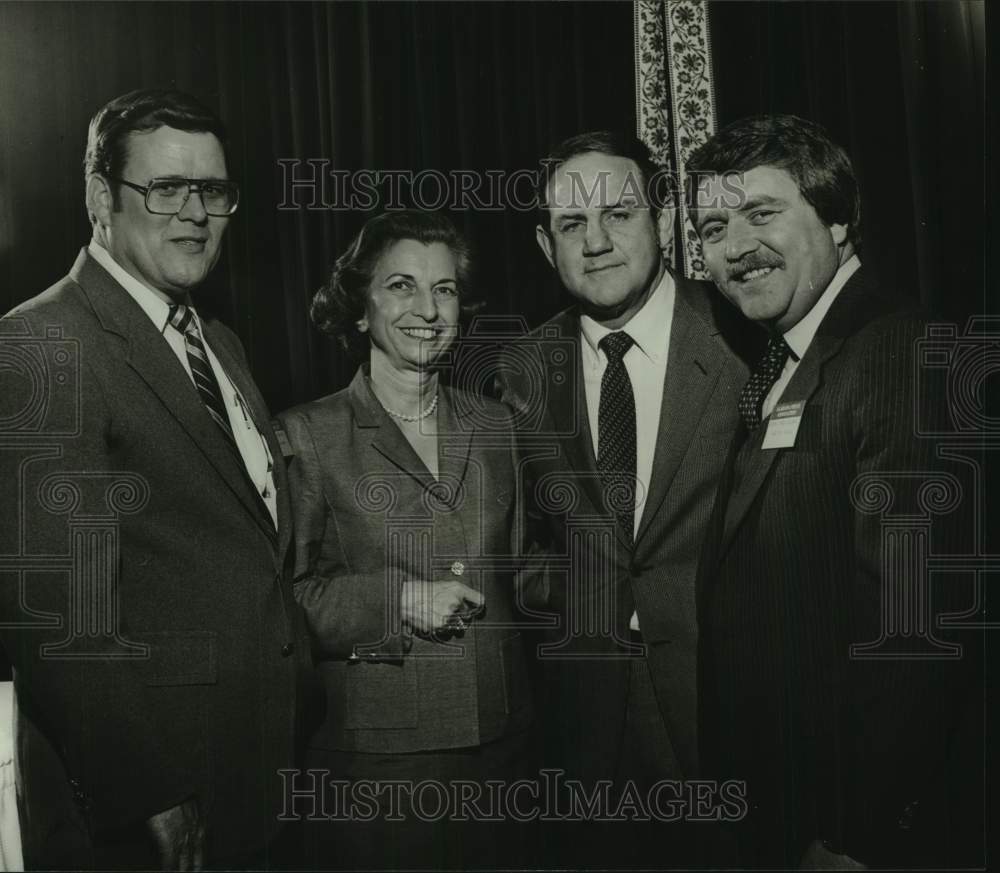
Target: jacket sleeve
[906, 676]
[349, 614]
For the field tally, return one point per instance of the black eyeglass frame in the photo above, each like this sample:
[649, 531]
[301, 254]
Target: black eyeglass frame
[194, 187]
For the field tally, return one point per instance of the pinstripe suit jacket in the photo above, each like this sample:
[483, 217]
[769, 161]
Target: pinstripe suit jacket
[369, 516]
[793, 572]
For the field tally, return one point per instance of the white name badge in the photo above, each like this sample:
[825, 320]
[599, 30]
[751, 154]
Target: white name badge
[783, 425]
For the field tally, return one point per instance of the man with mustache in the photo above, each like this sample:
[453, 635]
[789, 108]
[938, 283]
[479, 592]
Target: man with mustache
[841, 739]
[626, 402]
[155, 666]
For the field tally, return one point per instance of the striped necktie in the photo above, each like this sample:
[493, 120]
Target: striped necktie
[182, 320]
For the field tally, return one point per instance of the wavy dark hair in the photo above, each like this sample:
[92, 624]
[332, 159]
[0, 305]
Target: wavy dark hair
[340, 303]
[137, 112]
[801, 148]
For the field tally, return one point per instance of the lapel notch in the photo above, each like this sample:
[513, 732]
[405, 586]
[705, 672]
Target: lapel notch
[855, 305]
[149, 355]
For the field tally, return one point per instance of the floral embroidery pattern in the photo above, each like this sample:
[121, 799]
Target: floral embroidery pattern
[675, 96]
[652, 93]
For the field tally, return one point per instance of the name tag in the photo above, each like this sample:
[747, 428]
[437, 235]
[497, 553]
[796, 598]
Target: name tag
[783, 425]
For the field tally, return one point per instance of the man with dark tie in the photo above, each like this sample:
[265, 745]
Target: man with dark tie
[144, 612]
[827, 684]
[626, 404]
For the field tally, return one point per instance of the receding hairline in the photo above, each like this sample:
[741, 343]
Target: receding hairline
[630, 194]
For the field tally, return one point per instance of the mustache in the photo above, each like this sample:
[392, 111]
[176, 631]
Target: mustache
[753, 262]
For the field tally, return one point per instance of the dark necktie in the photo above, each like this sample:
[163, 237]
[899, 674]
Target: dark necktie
[616, 431]
[762, 380]
[182, 319]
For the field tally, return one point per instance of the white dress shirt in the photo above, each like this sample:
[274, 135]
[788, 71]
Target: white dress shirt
[252, 446]
[646, 364]
[800, 336]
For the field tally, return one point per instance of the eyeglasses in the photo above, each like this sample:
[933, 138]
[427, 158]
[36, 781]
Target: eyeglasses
[168, 196]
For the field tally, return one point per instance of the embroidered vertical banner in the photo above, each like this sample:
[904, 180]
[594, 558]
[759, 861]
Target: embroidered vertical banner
[675, 99]
[652, 95]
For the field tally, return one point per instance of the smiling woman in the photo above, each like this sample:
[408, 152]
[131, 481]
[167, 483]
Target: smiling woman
[411, 308]
[398, 492]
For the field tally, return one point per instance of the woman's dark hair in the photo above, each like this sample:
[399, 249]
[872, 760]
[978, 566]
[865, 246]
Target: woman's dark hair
[339, 304]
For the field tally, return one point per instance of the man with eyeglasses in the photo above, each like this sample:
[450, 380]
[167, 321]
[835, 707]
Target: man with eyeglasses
[155, 667]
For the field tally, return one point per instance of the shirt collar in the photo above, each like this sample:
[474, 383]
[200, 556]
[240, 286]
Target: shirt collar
[646, 327]
[800, 336]
[151, 303]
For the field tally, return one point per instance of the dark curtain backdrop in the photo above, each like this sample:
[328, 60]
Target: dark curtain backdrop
[902, 87]
[412, 86]
[475, 86]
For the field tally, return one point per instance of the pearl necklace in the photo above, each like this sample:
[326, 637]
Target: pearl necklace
[418, 417]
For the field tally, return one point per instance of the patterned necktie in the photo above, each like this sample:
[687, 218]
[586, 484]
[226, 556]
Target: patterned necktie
[762, 380]
[182, 319]
[616, 431]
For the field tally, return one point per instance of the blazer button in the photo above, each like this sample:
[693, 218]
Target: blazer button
[287, 649]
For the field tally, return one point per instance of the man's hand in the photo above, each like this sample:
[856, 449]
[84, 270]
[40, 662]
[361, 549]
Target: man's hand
[179, 835]
[433, 606]
[818, 857]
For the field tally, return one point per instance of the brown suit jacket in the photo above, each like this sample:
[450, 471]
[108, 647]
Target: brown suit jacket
[179, 679]
[597, 576]
[369, 516]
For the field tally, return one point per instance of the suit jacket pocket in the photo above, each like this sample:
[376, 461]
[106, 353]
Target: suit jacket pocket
[179, 658]
[381, 695]
[515, 673]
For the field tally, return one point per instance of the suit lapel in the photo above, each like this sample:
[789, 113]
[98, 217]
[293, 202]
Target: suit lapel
[385, 437]
[281, 494]
[694, 363]
[852, 308]
[454, 435]
[236, 370]
[565, 405]
[149, 355]
[566, 400]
